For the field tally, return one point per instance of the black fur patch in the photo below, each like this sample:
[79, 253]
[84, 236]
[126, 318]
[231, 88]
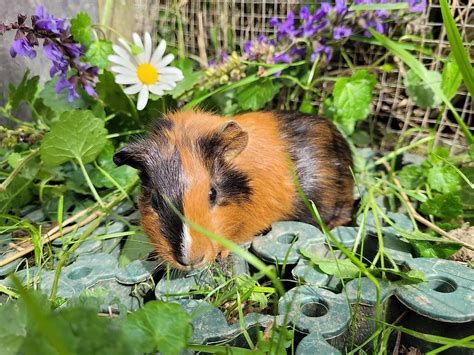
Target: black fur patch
[165, 178]
[300, 131]
[232, 186]
[160, 124]
[209, 148]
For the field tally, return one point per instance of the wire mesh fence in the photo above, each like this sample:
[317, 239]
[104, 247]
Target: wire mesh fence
[207, 28]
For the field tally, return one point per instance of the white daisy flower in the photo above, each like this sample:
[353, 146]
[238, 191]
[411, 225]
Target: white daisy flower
[145, 72]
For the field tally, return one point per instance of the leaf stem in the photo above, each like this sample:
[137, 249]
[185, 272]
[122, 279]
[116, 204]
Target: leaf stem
[89, 182]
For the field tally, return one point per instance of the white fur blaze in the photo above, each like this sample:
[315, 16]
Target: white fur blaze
[187, 241]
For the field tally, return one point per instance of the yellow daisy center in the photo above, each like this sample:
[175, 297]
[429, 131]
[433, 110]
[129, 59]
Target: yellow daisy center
[147, 74]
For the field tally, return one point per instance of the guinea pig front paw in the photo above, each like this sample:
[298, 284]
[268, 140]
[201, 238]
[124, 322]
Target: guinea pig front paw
[223, 254]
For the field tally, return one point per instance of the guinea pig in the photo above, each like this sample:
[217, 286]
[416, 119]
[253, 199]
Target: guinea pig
[234, 176]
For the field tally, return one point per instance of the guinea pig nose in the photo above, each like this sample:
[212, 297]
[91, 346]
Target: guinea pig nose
[191, 261]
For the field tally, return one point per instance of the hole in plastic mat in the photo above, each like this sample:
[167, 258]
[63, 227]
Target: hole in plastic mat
[314, 309]
[287, 238]
[442, 284]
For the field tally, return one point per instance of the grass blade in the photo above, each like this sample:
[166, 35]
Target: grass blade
[458, 50]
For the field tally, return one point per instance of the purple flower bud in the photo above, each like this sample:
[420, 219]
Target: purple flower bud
[305, 14]
[340, 8]
[322, 49]
[417, 5]
[72, 49]
[322, 11]
[341, 32]
[90, 89]
[274, 22]
[69, 84]
[282, 58]
[22, 47]
[46, 22]
[53, 53]
[247, 47]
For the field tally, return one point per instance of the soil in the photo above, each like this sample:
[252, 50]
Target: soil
[465, 234]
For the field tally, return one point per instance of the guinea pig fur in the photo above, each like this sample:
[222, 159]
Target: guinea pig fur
[234, 177]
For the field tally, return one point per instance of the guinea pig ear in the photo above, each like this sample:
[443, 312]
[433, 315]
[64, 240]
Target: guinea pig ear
[233, 140]
[128, 156]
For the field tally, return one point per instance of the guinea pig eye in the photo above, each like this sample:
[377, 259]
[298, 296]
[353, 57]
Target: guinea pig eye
[212, 195]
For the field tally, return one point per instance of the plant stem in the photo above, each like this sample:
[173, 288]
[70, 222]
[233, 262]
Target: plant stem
[89, 182]
[107, 13]
[17, 170]
[65, 256]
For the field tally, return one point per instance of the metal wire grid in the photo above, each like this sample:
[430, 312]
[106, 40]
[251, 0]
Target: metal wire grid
[214, 26]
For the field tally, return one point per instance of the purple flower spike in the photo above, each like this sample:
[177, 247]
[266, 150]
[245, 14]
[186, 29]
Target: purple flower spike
[47, 22]
[70, 85]
[341, 32]
[22, 47]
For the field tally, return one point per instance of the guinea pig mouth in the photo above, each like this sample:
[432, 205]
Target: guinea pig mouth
[191, 267]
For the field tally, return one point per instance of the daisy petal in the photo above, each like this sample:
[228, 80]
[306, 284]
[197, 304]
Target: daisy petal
[121, 52]
[147, 47]
[134, 89]
[137, 40]
[165, 79]
[121, 61]
[122, 70]
[171, 70]
[167, 59]
[125, 45]
[156, 89]
[142, 98]
[126, 79]
[159, 51]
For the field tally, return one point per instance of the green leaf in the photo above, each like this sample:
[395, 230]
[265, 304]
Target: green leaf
[98, 53]
[422, 72]
[459, 52]
[451, 77]
[420, 91]
[411, 176]
[76, 135]
[340, 268]
[58, 102]
[158, 326]
[255, 96]
[352, 98]
[242, 82]
[123, 175]
[113, 96]
[435, 250]
[444, 179]
[12, 328]
[446, 206]
[81, 27]
[25, 91]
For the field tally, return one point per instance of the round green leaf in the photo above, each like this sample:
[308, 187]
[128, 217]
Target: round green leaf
[76, 135]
